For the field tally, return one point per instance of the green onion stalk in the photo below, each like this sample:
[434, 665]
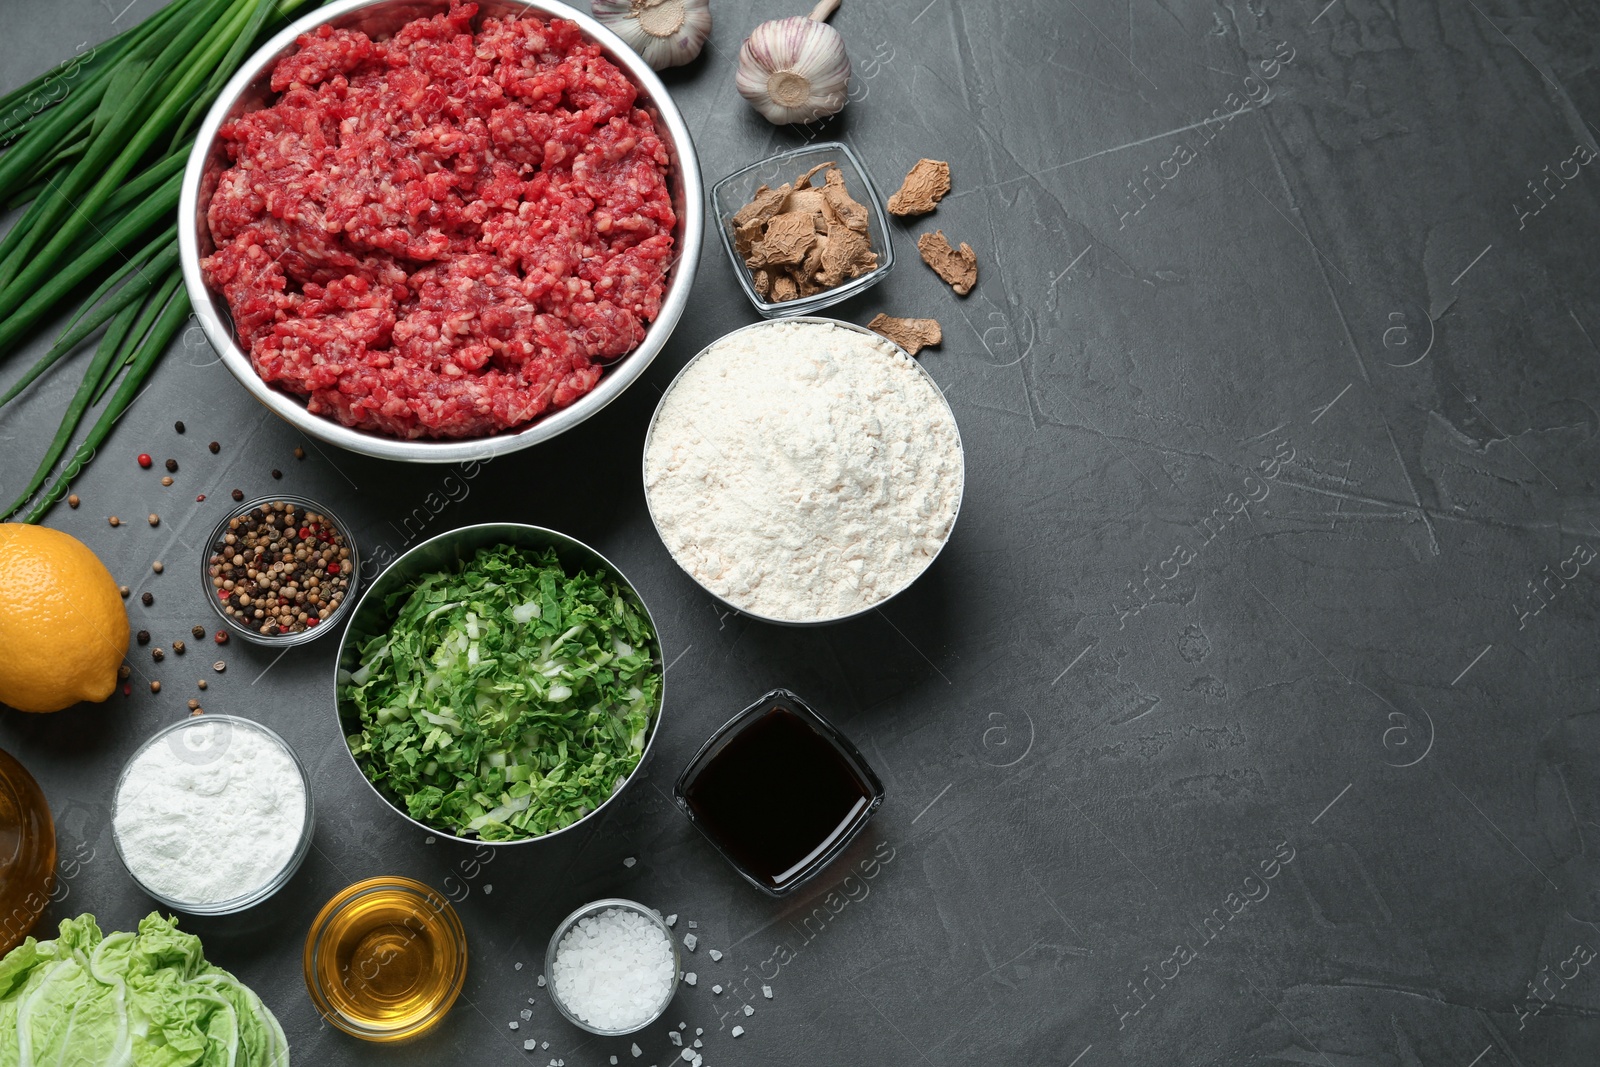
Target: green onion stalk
[94, 150]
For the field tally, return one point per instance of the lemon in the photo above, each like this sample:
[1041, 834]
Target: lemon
[63, 630]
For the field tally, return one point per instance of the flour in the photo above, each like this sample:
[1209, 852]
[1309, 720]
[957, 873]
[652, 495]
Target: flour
[209, 812]
[804, 471]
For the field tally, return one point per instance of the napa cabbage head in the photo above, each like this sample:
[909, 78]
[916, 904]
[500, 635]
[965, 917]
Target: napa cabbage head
[129, 999]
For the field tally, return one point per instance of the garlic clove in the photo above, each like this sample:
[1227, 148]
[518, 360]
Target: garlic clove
[665, 33]
[795, 69]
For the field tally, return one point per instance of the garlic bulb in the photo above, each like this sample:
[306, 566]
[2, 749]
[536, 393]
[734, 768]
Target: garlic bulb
[795, 69]
[665, 33]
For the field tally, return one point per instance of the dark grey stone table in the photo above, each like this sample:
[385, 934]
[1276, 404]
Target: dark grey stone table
[1250, 714]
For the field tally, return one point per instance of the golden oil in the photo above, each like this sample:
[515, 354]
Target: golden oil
[385, 959]
[27, 853]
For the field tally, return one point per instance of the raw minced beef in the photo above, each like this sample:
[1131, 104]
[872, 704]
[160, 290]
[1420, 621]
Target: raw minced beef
[447, 233]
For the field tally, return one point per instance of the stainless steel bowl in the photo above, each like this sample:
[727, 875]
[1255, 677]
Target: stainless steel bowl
[372, 616]
[662, 403]
[589, 911]
[248, 90]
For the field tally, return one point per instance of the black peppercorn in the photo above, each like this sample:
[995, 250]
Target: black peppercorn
[178, 426]
[147, 599]
[172, 466]
[143, 637]
[277, 473]
[215, 448]
[238, 494]
[198, 632]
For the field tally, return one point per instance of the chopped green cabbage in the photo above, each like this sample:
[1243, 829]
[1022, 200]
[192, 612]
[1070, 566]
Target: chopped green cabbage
[508, 699]
[146, 999]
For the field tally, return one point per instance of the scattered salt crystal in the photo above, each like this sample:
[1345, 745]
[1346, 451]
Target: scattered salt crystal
[544, 1044]
[716, 989]
[672, 920]
[629, 862]
[697, 1043]
[675, 1037]
[530, 1000]
[613, 1059]
[683, 1026]
[637, 1051]
[487, 889]
[541, 981]
[715, 955]
[698, 1031]
[517, 967]
[613, 970]
[529, 1045]
[526, 1014]
[766, 991]
[748, 1010]
[697, 1061]
[690, 941]
[429, 841]
[691, 978]
[738, 1031]
[688, 1053]
[512, 1024]
[693, 925]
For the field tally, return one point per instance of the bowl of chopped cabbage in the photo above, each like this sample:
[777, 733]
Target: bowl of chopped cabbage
[499, 683]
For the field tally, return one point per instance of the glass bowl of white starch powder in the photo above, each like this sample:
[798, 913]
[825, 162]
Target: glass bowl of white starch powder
[213, 814]
[612, 967]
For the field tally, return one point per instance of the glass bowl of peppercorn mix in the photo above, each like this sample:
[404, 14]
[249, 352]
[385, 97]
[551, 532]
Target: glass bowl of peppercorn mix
[279, 570]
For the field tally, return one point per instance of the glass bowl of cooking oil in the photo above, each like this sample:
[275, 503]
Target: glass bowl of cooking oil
[385, 959]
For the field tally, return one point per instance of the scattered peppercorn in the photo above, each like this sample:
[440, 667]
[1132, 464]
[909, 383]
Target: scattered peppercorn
[179, 647]
[202, 683]
[178, 426]
[219, 666]
[125, 591]
[143, 637]
[157, 654]
[198, 631]
[155, 687]
[194, 705]
[215, 448]
[238, 494]
[73, 501]
[221, 637]
[158, 566]
[172, 466]
[127, 688]
[201, 499]
[166, 479]
[299, 453]
[124, 672]
[114, 521]
[196, 711]
[145, 460]
[147, 598]
[155, 520]
[276, 473]
[280, 569]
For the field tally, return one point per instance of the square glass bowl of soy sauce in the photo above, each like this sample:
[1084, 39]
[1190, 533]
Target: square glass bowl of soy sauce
[779, 792]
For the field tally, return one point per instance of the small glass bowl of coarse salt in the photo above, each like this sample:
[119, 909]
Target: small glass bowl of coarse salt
[612, 967]
[213, 814]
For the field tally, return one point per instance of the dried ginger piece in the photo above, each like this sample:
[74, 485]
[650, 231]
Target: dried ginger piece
[784, 289]
[959, 268]
[846, 206]
[765, 204]
[924, 187]
[913, 335]
[789, 237]
[846, 255]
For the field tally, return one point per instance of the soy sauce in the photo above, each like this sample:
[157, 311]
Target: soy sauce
[776, 796]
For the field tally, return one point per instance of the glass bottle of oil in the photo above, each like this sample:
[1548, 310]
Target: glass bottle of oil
[27, 853]
[385, 959]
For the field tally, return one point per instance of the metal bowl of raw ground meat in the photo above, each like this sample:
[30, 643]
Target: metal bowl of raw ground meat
[250, 89]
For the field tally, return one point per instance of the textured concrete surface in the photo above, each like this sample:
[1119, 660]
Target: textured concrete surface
[1249, 716]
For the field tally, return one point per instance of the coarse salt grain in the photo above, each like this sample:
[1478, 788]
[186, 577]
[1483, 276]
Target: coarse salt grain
[690, 941]
[613, 970]
[716, 989]
[748, 1010]
[672, 920]
[715, 955]
[629, 862]
[516, 966]
[738, 1031]
[675, 1037]
[636, 1050]
[541, 982]
[691, 978]
[529, 1045]
[766, 991]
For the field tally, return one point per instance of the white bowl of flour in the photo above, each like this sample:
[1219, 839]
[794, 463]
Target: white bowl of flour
[803, 471]
[213, 814]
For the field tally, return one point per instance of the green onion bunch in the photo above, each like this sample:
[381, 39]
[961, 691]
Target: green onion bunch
[95, 150]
